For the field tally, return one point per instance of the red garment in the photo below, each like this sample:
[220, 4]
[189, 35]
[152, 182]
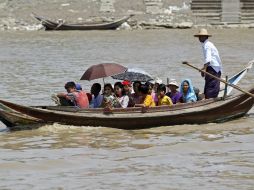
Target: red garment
[81, 99]
[89, 96]
[126, 83]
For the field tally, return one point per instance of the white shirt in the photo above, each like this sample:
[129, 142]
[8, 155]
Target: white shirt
[124, 101]
[211, 55]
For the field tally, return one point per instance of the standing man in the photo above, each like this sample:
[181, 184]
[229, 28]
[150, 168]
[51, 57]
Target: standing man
[212, 64]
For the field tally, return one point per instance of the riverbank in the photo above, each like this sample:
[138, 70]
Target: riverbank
[149, 14]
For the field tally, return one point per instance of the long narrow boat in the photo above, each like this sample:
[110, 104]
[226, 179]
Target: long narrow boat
[204, 111]
[12, 118]
[51, 25]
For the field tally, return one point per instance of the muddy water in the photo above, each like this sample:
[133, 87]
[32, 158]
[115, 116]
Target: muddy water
[36, 64]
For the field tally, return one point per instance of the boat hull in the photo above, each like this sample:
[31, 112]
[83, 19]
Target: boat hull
[14, 119]
[211, 110]
[51, 25]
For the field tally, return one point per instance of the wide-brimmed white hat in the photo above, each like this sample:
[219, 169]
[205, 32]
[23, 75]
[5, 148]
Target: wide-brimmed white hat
[202, 32]
[174, 83]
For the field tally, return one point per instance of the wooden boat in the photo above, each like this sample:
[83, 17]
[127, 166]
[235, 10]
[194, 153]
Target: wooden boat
[12, 118]
[204, 111]
[60, 25]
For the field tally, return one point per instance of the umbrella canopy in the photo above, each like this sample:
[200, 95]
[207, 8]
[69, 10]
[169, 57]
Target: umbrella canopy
[103, 70]
[134, 74]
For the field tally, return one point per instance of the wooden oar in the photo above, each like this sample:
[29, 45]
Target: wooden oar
[217, 78]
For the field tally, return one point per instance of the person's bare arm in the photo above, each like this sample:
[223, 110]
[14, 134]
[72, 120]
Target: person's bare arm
[204, 69]
[61, 95]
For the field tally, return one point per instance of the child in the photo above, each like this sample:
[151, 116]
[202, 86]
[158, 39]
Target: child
[109, 100]
[162, 98]
[147, 99]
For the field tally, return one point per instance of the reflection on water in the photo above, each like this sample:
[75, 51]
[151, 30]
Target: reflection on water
[211, 156]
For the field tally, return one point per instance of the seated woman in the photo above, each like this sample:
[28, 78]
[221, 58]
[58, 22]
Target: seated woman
[128, 91]
[109, 98]
[127, 87]
[122, 98]
[157, 81]
[135, 97]
[187, 91]
[73, 97]
[147, 99]
[162, 98]
[174, 94]
[152, 92]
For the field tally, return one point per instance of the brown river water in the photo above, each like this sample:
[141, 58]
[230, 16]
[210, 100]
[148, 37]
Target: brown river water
[33, 65]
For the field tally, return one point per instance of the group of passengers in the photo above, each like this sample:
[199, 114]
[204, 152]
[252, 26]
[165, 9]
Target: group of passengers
[149, 94]
[126, 94]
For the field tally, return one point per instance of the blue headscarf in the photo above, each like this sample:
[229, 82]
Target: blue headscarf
[190, 96]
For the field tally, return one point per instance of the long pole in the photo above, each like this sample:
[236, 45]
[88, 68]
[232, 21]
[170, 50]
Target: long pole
[217, 78]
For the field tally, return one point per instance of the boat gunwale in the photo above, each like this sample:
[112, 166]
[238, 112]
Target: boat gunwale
[155, 109]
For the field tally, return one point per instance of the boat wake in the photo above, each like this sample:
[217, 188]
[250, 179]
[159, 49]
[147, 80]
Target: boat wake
[56, 127]
[33, 27]
[6, 129]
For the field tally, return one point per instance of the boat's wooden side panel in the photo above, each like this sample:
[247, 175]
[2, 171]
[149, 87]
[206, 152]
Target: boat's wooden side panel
[203, 112]
[12, 119]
